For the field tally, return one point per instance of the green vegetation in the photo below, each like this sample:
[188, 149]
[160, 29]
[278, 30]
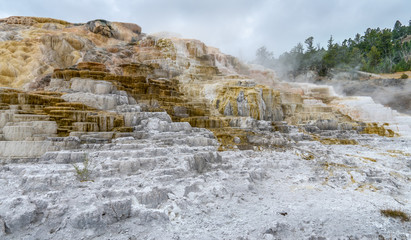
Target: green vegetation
[83, 174]
[377, 51]
[404, 76]
[395, 214]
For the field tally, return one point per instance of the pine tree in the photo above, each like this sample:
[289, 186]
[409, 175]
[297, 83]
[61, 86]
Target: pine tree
[310, 44]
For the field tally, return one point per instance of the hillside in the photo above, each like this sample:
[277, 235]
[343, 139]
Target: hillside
[375, 51]
[396, 75]
[107, 132]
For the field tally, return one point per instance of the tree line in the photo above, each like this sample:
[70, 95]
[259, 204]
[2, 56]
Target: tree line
[377, 51]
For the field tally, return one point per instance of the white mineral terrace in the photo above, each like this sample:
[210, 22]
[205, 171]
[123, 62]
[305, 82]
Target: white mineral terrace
[366, 110]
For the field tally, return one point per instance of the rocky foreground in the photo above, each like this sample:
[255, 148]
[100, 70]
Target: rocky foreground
[110, 133]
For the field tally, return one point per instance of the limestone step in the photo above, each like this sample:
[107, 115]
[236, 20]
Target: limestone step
[30, 117]
[206, 122]
[4, 106]
[64, 131]
[145, 153]
[49, 109]
[25, 149]
[319, 109]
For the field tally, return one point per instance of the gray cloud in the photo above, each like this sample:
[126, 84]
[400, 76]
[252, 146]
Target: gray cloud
[237, 27]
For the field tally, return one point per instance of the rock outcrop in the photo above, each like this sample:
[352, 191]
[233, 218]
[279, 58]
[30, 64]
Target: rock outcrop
[121, 31]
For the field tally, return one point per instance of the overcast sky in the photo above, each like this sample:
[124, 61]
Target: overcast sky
[237, 27]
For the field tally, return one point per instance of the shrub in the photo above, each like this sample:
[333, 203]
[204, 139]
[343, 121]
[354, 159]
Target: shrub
[83, 174]
[404, 76]
[395, 214]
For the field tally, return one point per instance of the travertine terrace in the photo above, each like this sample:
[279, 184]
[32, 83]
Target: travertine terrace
[181, 141]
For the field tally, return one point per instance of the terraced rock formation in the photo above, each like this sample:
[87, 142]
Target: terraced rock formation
[107, 132]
